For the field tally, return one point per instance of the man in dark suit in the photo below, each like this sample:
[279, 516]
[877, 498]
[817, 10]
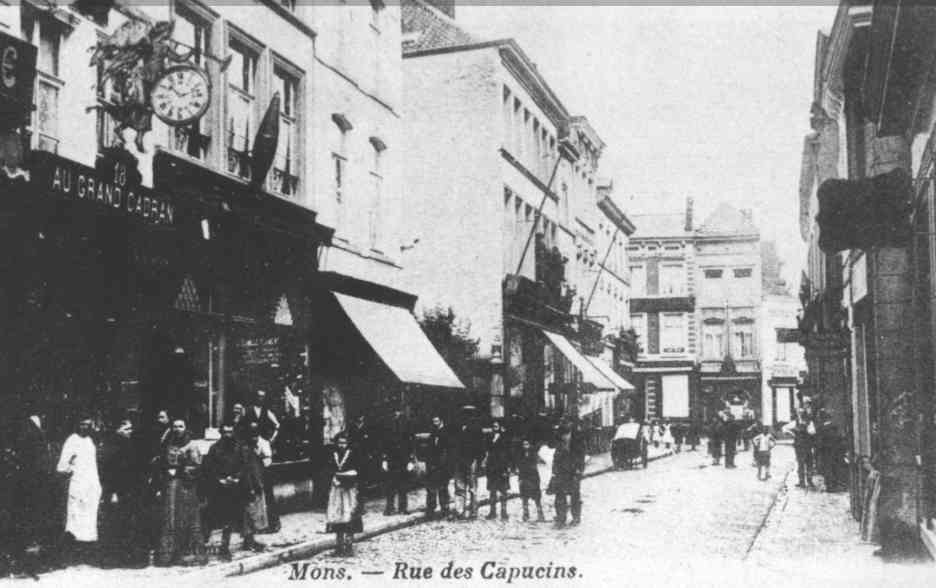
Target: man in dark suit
[497, 465]
[568, 468]
[438, 468]
[397, 446]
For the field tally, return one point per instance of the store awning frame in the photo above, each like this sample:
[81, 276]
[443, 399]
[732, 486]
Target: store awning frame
[608, 372]
[590, 374]
[395, 336]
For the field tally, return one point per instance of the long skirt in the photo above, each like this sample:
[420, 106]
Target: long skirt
[181, 537]
[342, 513]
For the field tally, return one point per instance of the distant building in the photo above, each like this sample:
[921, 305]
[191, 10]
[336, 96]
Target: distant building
[696, 299]
[663, 314]
[728, 302]
[485, 136]
[783, 360]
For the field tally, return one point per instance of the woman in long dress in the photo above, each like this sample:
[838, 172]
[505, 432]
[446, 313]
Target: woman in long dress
[79, 462]
[181, 538]
[343, 517]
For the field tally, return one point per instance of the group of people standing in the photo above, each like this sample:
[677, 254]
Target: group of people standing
[459, 456]
[133, 498]
[820, 448]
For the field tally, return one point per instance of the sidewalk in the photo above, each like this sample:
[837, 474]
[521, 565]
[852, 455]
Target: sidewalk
[302, 535]
[809, 538]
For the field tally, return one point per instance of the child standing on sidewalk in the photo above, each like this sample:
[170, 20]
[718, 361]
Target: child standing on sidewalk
[763, 444]
[530, 481]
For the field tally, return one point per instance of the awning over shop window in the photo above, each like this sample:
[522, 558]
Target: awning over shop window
[608, 372]
[590, 374]
[396, 337]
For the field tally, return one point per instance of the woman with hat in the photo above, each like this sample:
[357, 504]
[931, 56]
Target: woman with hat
[342, 516]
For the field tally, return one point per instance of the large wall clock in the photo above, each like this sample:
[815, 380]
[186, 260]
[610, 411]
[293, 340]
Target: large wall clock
[181, 95]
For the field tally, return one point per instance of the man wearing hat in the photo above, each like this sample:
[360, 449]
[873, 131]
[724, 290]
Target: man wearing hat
[567, 470]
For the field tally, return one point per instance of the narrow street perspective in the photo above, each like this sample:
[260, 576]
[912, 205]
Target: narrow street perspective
[440, 292]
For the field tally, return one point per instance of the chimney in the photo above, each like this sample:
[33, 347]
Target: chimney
[689, 215]
[446, 6]
[748, 215]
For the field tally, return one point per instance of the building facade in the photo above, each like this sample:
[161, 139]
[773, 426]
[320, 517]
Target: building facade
[181, 261]
[867, 326]
[504, 180]
[728, 306]
[696, 309]
[783, 359]
[663, 315]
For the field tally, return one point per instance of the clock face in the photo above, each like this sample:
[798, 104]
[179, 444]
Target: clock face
[181, 95]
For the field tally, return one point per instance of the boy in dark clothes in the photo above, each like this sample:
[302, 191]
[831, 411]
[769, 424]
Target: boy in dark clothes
[530, 481]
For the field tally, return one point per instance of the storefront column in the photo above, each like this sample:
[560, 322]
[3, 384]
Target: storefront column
[898, 440]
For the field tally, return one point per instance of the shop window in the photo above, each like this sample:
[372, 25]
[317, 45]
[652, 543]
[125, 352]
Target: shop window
[193, 34]
[285, 176]
[45, 34]
[241, 107]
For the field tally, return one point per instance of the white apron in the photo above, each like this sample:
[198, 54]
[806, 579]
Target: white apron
[79, 458]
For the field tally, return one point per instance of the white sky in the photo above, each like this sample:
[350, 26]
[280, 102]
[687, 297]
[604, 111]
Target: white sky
[710, 102]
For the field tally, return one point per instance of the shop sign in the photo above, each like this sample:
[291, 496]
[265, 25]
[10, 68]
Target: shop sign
[17, 74]
[113, 185]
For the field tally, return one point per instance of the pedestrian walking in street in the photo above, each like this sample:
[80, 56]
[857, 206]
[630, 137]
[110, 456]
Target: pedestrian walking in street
[763, 445]
[466, 457]
[646, 438]
[692, 435]
[224, 467]
[678, 430]
[529, 479]
[179, 466]
[438, 470]
[715, 429]
[804, 435]
[730, 436]
[666, 435]
[497, 464]
[123, 480]
[830, 453]
[397, 453]
[567, 470]
[78, 461]
[343, 516]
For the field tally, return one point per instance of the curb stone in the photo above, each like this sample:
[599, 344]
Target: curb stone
[315, 546]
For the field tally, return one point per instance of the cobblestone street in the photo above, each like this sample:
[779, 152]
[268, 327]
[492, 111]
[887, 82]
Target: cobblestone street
[680, 522]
